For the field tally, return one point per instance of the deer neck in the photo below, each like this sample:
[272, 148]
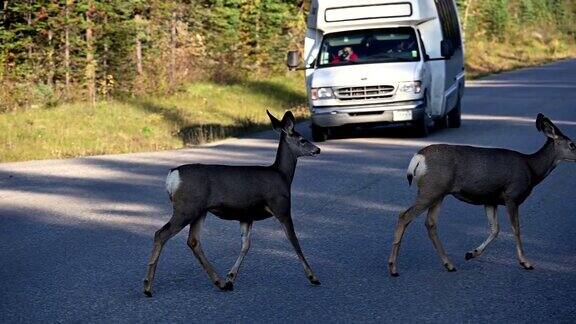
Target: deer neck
[285, 159]
[544, 161]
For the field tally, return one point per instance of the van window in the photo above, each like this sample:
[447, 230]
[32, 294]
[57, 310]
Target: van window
[369, 46]
[449, 21]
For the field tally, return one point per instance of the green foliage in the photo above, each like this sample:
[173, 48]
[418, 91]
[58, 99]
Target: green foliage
[178, 41]
[528, 13]
[496, 18]
[201, 112]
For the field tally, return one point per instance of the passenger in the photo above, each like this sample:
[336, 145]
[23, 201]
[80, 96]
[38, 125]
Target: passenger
[345, 55]
[405, 45]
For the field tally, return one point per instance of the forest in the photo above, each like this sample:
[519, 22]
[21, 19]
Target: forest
[92, 52]
[53, 51]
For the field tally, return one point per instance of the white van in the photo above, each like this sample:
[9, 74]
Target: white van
[373, 62]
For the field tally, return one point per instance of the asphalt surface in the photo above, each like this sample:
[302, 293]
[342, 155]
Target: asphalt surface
[75, 235]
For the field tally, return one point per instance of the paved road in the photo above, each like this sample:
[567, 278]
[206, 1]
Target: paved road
[75, 234]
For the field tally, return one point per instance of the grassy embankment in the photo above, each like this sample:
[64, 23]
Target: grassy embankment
[199, 113]
[488, 57]
[204, 112]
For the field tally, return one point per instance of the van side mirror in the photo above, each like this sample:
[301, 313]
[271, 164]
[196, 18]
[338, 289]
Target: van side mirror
[293, 60]
[446, 48]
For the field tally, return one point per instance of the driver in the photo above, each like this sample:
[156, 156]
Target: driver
[345, 55]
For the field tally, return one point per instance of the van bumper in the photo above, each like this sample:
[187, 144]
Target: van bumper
[335, 116]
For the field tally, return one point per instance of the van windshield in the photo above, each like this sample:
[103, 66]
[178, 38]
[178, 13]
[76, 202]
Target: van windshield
[369, 46]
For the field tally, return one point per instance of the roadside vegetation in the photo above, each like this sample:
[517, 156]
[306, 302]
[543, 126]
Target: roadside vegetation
[196, 113]
[86, 77]
[503, 35]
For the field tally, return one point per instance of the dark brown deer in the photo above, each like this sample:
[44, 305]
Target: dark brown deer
[241, 193]
[479, 176]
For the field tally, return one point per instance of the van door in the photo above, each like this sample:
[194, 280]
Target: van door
[430, 68]
[454, 64]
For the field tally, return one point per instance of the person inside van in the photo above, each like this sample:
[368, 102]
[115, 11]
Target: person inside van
[405, 45]
[344, 55]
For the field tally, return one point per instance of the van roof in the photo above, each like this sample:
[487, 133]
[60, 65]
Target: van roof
[337, 15]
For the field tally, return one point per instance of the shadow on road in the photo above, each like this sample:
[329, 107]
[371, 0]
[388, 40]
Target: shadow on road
[76, 233]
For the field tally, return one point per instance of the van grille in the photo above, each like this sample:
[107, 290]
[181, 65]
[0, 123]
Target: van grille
[363, 93]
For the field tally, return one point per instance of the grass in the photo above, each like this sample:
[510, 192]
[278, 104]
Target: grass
[198, 113]
[485, 57]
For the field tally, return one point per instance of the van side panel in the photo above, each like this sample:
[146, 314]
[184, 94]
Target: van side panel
[431, 36]
[312, 44]
[454, 68]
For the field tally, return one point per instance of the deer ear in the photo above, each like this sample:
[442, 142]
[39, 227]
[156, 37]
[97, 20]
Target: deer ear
[546, 126]
[276, 124]
[288, 122]
[539, 119]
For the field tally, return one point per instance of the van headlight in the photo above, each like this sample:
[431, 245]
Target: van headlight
[321, 93]
[410, 87]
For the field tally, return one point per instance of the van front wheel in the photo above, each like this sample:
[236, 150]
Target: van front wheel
[455, 116]
[319, 134]
[422, 126]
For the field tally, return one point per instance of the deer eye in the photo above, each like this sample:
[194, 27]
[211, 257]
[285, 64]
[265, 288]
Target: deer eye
[302, 141]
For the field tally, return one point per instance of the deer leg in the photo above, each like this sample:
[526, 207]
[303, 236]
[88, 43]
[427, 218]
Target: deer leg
[494, 229]
[281, 210]
[194, 244]
[432, 226]
[160, 237]
[245, 228]
[403, 221]
[288, 228]
[513, 213]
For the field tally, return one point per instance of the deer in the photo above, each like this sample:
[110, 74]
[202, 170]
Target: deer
[239, 193]
[480, 176]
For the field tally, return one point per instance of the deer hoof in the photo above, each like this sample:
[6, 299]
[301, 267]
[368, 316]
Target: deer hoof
[147, 286]
[228, 286]
[469, 256]
[526, 266]
[392, 270]
[449, 267]
[314, 280]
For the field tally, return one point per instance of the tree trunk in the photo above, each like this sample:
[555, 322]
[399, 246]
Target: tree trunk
[67, 50]
[138, 46]
[50, 58]
[258, 55]
[172, 51]
[90, 61]
[106, 49]
[29, 22]
[465, 22]
[4, 9]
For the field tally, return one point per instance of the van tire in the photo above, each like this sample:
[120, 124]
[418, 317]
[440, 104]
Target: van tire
[319, 134]
[455, 116]
[442, 122]
[422, 126]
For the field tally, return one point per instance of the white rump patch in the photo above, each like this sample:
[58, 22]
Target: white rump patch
[417, 167]
[173, 182]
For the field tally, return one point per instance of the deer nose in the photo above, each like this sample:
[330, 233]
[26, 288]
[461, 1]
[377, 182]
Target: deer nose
[317, 151]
